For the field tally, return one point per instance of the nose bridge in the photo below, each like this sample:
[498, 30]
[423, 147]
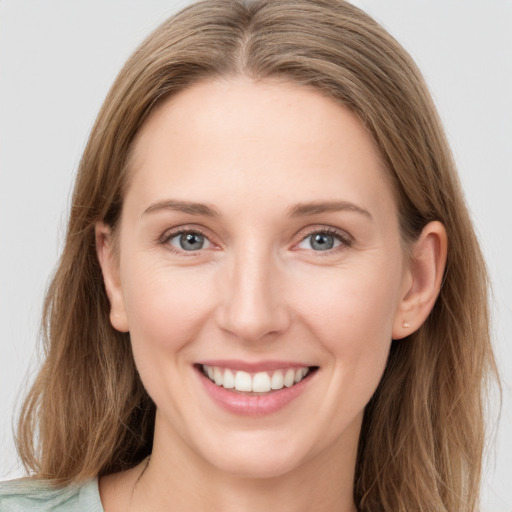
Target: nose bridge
[253, 303]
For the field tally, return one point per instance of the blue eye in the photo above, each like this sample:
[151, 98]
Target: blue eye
[189, 241]
[321, 241]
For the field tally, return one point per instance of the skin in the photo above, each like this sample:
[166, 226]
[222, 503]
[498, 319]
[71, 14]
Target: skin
[258, 290]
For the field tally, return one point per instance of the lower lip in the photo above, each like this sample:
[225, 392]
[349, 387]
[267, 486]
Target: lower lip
[253, 405]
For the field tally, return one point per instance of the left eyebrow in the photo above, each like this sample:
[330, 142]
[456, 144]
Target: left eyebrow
[314, 208]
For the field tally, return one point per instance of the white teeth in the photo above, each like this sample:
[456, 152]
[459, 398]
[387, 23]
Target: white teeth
[289, 378]
[300, 374]
[243, 381]
[277, 380]
[260, 382]
[218, 377]
[229, 379]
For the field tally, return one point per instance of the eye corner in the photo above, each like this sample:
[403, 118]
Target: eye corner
[329, 240]
[198, 236]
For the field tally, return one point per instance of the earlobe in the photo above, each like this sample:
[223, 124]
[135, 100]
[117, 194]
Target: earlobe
[110, 269]
[425, 277]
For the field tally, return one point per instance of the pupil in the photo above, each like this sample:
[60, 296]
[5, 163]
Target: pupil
[322, 242]
[191, 241]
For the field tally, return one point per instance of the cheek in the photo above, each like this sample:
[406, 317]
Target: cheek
[351, 308]
[166, 308]
[351, 315]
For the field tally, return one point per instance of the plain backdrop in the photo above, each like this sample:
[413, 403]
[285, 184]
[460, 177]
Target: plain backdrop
[57, 61]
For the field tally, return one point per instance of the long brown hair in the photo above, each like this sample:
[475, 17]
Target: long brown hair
[423, 431]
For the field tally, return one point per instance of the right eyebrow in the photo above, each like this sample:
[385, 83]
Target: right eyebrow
[183, 206]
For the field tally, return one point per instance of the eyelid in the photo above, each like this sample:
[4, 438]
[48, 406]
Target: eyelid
[345, 238]
[171, 233]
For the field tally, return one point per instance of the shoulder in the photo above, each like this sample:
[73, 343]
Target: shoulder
[30, 495]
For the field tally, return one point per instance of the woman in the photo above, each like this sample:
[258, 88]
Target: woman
[274, 281]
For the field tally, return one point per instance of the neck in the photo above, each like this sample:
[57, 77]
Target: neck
[176, 478]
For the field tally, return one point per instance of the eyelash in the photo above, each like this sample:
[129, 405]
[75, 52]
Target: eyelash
[168, 236]
[343, 237]
[345, 240]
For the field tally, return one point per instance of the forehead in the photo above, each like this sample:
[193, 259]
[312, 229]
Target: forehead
[235, 138]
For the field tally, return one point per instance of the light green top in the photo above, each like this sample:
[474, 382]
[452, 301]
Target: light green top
[29, 495]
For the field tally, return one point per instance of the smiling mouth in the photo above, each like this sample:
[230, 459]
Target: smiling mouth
[257, 383]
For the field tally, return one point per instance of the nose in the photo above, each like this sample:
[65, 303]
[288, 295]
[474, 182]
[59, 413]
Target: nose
[252, 304]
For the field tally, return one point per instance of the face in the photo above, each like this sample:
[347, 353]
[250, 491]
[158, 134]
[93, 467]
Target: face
[260, 274]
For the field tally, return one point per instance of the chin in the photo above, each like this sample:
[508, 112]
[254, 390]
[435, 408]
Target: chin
[257, 458]
[258, 467]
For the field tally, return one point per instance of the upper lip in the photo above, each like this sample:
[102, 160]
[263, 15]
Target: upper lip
[253, 367]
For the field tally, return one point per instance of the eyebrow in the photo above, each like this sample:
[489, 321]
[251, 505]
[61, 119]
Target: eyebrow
[185, 207]
[298, 210]
[316, 207]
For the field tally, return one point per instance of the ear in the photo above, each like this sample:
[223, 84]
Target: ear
[423, 280]
[109, 264]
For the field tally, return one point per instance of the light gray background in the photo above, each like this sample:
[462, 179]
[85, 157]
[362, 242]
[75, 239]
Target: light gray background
[57, 61]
